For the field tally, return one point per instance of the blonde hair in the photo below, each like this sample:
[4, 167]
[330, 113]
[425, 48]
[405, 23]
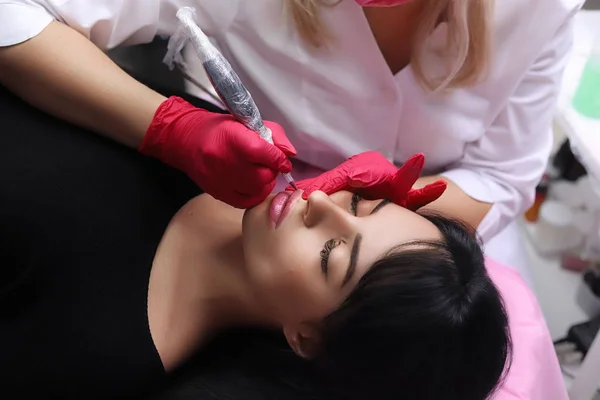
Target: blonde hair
[469, 36]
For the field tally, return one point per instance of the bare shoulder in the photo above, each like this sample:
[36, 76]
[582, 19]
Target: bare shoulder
[188, 249]
[204, 215]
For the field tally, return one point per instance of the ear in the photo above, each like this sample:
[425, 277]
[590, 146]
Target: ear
[303, 338]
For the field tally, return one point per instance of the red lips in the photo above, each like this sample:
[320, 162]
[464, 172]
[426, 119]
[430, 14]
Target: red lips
[281, 206]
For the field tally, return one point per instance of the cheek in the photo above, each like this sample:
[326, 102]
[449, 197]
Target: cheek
[292, 285]
[284, 268]
[291, 271]
[302, 297]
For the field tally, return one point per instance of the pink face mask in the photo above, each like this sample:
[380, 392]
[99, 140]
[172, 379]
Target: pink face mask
[380, 3]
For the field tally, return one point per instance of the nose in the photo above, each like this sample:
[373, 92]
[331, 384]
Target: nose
[321, 210]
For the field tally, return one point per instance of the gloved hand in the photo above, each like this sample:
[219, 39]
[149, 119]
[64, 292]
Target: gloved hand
[222, 156]
[374, 177]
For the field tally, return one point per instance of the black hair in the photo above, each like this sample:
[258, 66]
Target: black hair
[425, 322]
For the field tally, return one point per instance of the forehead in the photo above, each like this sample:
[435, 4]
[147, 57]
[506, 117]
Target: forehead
[389, 227]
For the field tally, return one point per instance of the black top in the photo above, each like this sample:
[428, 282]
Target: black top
[80, 220]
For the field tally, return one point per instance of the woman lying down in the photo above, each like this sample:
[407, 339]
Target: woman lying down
[118, 273]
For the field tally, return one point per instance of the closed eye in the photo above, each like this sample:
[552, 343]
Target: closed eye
[354, 203]
[333, 243]
[356, 198]
[327, 248]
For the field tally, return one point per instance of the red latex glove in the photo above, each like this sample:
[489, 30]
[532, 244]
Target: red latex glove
[222, 156]
[374, 177]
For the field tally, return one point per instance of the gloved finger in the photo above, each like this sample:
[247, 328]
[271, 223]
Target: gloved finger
[364, 178]
[302, 185]
[372, 184]
[259, 151]
[315, 184]
[407, 175]
[418, 198]
[254, 179]
[357, 172]
[329, 183]
[252, 200]
[280, 140]
[234, 199]
[244, 200]
[368, 169]
[261, 175]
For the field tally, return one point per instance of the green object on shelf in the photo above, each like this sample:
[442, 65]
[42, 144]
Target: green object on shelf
[587, 97]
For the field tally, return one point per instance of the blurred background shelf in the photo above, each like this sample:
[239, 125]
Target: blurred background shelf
[583, 132]
[555, 288]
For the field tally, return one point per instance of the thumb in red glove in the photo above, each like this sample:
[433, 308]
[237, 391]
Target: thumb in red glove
[222, 156]
[374, 177]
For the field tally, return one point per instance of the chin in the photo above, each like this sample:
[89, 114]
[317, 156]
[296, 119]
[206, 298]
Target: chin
[256, 215]
[246, 218]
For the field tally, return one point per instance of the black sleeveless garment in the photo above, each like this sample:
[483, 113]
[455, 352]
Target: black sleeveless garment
[80, 220]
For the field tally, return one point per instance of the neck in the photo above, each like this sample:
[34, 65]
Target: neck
[225, 296]
[198, 283]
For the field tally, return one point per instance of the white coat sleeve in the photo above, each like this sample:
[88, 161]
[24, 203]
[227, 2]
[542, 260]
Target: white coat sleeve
[507, 163]
[21, 20]
[108, 23]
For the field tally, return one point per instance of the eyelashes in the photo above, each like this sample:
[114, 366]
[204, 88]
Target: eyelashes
[329, 246]
[354, 203]
[333, 243]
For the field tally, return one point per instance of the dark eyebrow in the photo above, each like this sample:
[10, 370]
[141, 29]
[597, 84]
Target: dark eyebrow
[379, 206]
[356, 245]
[353, 259]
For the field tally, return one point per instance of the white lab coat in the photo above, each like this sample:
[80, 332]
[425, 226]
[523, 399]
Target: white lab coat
[493, 139]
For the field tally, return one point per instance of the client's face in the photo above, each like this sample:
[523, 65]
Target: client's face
[305, 257]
